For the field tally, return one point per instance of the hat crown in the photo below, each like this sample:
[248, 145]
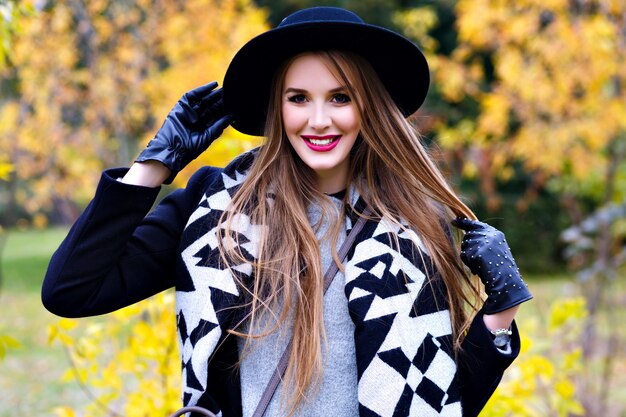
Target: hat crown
[321, 14]
[400, 65]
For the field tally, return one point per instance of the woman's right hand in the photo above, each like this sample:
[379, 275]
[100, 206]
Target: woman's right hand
[190, 127]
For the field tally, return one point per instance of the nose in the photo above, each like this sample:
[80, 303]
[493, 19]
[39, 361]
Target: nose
[319, 118]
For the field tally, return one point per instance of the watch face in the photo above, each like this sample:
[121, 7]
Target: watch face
[501, 340]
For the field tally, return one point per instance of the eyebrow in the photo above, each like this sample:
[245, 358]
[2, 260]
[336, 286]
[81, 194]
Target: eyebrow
[300, 90]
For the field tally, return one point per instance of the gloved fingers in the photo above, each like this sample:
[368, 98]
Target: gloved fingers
[467, 224]
[211, 108]
[209, 100]
[199, 93]
[218, 127]
[224, 122]
[473, 238]
[201, 112]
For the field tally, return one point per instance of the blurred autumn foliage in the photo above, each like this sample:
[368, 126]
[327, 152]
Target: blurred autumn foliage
[88, 82]
[548, 79]
[531, 101]
[128, 365]
[527, 110]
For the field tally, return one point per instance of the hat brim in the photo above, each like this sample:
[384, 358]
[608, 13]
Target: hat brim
[399, 63]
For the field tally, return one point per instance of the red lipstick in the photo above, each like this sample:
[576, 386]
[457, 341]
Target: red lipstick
[321, 143]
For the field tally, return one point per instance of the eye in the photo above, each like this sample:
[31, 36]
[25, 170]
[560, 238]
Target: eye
[297, 98]
[341, 98]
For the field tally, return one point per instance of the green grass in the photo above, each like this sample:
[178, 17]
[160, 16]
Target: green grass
[25, 257]
[30, 378]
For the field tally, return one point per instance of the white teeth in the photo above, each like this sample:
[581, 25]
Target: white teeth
[321, 142]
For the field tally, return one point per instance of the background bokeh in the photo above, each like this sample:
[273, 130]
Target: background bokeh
[526, 116]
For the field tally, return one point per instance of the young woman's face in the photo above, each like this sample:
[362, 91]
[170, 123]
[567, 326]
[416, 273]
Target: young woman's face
[320, 120]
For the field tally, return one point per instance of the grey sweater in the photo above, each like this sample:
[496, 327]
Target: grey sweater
[338, 390]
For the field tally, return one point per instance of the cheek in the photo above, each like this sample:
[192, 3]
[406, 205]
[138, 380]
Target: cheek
[349, 120]
[292, 119]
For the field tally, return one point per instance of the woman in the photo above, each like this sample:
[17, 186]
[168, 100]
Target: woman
[246, 247]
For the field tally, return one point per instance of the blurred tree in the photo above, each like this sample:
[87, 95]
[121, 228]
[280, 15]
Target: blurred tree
[595, 247]
[535, 91]
[10, 14]
[90, 82]
[373, 11]
[547, 82]
[377, 12]
[127, 364]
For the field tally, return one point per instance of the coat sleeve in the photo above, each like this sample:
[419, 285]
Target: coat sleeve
[115, 254]
[481, 365]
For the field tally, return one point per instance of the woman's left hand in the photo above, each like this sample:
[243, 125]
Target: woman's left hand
[486, 253]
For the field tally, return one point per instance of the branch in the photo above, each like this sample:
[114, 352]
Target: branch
[85, 388]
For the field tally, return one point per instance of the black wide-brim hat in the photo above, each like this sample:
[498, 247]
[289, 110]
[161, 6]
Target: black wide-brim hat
[399, 63]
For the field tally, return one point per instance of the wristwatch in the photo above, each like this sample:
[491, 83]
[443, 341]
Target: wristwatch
[501, 337]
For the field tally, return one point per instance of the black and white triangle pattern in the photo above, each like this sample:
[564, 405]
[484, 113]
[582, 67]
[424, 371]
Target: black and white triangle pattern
[403, 335]
[403, 340]
[207, 284]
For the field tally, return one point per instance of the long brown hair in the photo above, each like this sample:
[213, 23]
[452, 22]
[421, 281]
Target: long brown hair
[391, 170]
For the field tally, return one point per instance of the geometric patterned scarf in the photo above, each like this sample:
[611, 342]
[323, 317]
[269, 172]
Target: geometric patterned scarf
[403, 340]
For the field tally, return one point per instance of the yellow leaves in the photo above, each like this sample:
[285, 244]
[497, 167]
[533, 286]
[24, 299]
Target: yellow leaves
[494, 117]
[601, 32]
[521, 29]
[9, 116]
[451, 79]
[541, 381]
[95, 78]
[103, 27]
[60, 332]
[9, 119]
[572, 361]
[7, 343]
[110, 378]
[416, 23]
[127, 360]
[511, 68]
[53, 333]
[143, 403]
[64, 412]
[74, 375]
[201, 40]
[566, 311]
[463, 133]
[67, 324]
[475, 20]
[565, 388]
[554, 102]
[537, 367]
[11, 14]
[5, 171]
[615, 7]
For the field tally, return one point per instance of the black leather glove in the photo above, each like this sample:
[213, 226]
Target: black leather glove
[190, 127]
[485, 252]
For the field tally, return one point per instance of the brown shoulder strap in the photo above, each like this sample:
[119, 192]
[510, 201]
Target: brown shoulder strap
[193, 409]
[277, 376]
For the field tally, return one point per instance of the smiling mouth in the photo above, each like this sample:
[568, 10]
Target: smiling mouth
[321, 140]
